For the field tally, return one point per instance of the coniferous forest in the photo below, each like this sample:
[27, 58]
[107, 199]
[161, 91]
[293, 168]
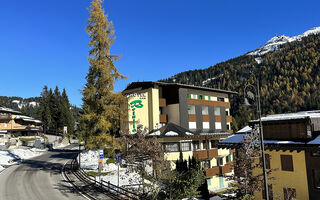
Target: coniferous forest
[289, 79]
[55, 111]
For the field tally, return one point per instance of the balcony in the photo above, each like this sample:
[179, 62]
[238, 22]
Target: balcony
[163, 118]
[227, 168]
[205, 154]
[219, 170]
[162, 102]
[212, 172]
[229, 118]
[208, 103]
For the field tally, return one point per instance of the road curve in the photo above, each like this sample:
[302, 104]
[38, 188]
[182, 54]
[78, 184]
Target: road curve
[39, 178]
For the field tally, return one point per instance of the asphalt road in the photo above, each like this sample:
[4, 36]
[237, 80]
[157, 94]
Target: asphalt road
[39, 178]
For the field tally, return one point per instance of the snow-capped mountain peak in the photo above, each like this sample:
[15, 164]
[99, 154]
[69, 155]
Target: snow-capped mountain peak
[275, 42]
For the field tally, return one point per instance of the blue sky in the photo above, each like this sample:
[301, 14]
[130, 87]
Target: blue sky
[43, 42]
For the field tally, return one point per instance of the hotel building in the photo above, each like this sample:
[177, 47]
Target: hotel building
[187, 119]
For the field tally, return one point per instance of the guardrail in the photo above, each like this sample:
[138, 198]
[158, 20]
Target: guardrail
[104, 185]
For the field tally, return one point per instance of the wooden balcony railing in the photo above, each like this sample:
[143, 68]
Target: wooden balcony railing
[214, 171]
[229, 118]
[205, 154]
[227, 168]
[163, 118]
[208, 103]
[162, 102]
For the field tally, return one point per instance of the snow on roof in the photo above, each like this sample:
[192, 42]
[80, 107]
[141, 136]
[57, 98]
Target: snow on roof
[216, 133]
[246, 129]
[9, 110]
[27, 119]
[155, 133]
[238, 138]
[315, 141]
[188, 133]
[291, 116]
[171, 133]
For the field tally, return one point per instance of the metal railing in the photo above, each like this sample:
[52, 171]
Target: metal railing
[103, 185]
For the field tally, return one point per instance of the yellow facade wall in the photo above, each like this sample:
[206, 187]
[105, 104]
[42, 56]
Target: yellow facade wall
[155, 113]
[174, 156]
[138, 109]
[296, 179]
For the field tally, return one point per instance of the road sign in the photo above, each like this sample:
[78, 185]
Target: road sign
[118, 159]
[100, 155]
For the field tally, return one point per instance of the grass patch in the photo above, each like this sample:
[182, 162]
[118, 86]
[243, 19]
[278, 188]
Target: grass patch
[26, 139]
[93, 173]
[111, 160]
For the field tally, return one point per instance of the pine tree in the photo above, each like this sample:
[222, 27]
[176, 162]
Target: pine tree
[67, 113]
[101, 106]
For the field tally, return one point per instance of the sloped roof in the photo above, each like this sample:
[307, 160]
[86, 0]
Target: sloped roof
[246, 129]
[135, 85]
[8, 110]
[291, 116]
[170, 130]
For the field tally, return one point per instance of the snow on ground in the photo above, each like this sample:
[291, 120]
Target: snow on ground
[12, 156]
[90, 160]
[1, 168]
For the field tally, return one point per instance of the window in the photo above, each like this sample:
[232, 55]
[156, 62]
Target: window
[6, 125]
[218, 125]
[220, 99]
[205, 125]
[227, 112]
[200, 96]
[192, 125]
[206, 164]
[228, 158]
[219, 161]
[270, 193]
[205, 110]
[214, 143]
[209, 98]
[209, 182]
[172, 147]
[186, 146]
[289, 193]
[286, 163]
[204, 144]
[228, 126]
[160, 110]
[267, 156]
[196, 145]
[316, 178]
[216, 110]
[191, 109]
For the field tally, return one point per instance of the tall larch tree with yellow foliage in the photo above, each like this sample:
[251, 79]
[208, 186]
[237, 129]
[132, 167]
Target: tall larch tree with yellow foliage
[101, 110]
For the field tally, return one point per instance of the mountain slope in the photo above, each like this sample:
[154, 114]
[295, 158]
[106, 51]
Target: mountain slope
[289, 78]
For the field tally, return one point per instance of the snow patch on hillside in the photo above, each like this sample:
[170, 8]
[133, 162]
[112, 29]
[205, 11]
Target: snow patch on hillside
[205, 82]
[274, 43]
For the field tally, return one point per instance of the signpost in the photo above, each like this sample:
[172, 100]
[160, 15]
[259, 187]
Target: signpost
[101, 155]
[118, 161]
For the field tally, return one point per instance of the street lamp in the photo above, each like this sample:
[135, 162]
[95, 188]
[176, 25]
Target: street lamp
[246, 102]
